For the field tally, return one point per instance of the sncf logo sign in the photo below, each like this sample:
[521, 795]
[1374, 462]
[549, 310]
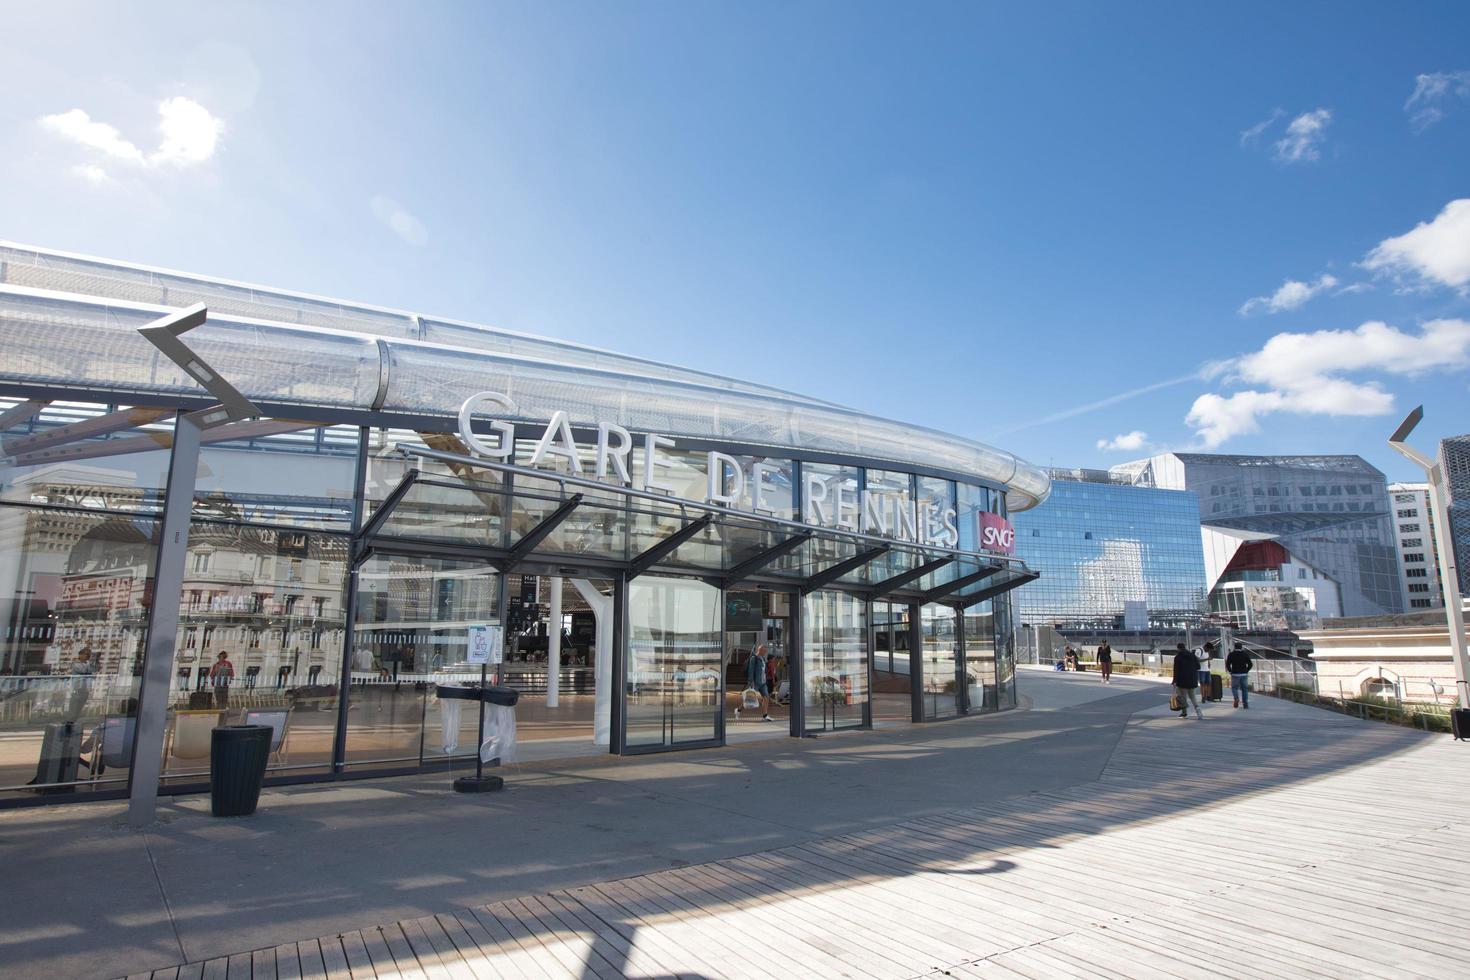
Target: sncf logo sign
[996, 534]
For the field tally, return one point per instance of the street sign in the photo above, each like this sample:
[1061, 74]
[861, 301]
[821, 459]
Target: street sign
[484, 644]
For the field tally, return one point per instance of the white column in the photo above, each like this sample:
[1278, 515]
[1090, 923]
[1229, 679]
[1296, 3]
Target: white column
[602, 609]
[553, 646]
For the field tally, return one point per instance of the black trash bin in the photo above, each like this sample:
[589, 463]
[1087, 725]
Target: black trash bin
[237, 758]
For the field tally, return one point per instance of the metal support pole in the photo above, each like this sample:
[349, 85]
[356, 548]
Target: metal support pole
[553, 645]
[163, 622]
[1448, 573]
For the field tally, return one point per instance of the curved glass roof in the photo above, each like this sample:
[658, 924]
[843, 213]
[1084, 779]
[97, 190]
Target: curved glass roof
[70, 321]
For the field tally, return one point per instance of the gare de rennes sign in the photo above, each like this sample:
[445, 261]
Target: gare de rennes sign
[827, 501]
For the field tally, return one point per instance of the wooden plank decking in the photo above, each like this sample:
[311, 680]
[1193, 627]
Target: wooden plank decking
[1339, 850]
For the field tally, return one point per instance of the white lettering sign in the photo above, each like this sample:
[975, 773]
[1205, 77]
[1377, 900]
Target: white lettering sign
[827, 500]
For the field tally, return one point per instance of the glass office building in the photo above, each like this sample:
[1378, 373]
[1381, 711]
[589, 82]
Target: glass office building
[1454, 457]
[1332, 511]
[224, 503]
[1101, 543]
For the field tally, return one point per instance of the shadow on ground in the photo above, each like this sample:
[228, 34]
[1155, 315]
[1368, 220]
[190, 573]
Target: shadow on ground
[88, 897]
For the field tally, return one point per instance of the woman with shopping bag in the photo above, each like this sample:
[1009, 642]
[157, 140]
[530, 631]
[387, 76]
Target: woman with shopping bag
[757, 693]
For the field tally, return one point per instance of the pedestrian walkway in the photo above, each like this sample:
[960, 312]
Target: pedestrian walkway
[1104, 838]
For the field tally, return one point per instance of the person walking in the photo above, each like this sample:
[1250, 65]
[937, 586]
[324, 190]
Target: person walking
[1105, 662]
[1238, 664]
[1186, 681]
[221, 673]
[755, 679]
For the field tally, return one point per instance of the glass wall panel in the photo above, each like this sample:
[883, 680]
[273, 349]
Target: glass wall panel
[936, 506]
[74, 593]
[941, 661]
[412, 614]
[888, 505]
[1005, 649]
[123, 469]
[260, 640]
[302, 478]
[971, 501]
[891, 636]
[834, 652]
[672, 690]
[830, 495]
[462, 505]
[980, 677]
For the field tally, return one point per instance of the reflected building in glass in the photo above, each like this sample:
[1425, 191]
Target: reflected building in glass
[1106, 547]
[1332, 512]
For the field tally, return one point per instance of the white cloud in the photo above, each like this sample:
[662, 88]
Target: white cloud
[1302, 373]
[1249, 137]
[190, 135]
[1304, 137]
[1127, 442]
[1289, 296]
[403, 224]
[79, 127]
[1426, 106]
[1435, 251]
[91, 173]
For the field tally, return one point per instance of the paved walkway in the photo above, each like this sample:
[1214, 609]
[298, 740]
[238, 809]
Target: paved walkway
[1094, 835]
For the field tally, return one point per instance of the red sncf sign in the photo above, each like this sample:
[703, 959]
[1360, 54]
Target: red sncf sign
[996, 534]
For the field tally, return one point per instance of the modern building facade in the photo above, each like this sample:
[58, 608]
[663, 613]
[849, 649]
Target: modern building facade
[1418, 544]
[1454, 455]
[292, 510]
[1256, 584]
[1108, 552]
[1332, 512]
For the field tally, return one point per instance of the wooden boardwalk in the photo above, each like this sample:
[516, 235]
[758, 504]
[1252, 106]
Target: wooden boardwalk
[1327, 847]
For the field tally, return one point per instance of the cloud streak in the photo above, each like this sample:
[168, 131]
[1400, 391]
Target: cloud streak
[1100, 404]
[1433, 94]
[189, 135]
[1291, 295]
[1127, 442]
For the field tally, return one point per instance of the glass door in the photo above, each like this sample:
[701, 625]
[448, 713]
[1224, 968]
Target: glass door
[940, 665]
[835, 660]
[410, 636]
[672, 685]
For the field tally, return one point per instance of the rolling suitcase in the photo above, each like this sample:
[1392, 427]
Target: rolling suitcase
[1217, 688]
[1460, 723]
[61, 747]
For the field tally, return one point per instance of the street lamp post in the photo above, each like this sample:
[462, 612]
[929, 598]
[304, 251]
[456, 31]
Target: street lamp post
[1448, 576]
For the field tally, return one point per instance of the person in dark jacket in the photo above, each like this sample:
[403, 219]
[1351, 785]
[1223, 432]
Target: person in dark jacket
[1186, 681]
[1238, 664]
[1105, 662]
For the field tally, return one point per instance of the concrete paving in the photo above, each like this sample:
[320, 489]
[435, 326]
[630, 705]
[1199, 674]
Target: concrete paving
[86, 897]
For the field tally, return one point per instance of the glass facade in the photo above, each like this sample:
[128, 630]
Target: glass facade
[1332, 511]
[332, 567]
[1099, 545]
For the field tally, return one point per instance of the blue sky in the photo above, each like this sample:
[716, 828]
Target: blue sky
[979, 217]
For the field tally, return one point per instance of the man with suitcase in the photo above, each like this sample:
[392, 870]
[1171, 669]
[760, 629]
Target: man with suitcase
[1186, 681]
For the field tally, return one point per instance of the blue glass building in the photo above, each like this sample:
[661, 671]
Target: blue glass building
[1100, 542]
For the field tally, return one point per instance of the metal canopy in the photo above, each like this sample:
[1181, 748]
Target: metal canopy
[750, 566]
[510, 515]
[664, 548]
[832, 574]
[1014, 580]
[537, 534]
[899, 581]
[954, 585]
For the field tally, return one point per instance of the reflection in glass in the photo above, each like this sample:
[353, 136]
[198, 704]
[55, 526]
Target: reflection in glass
[260, 638]
[980, 678]
[834, 653]
[672, 687]
[74, 591]
[412, 614]
[941, 661]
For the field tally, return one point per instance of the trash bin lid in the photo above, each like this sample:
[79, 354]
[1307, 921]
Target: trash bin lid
[234, 732]
[490, 694]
